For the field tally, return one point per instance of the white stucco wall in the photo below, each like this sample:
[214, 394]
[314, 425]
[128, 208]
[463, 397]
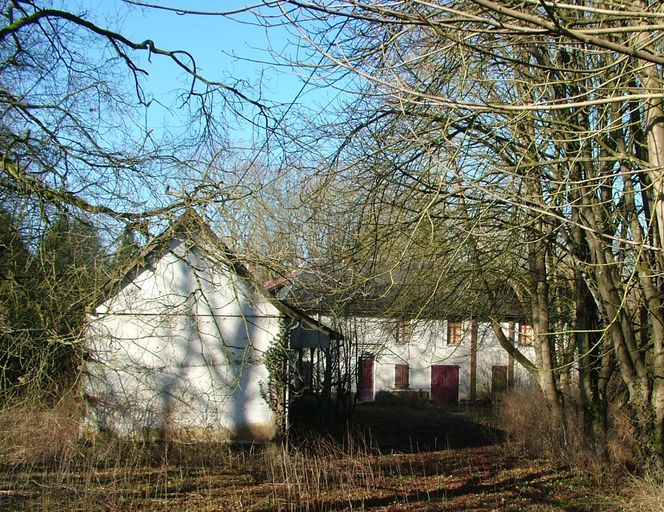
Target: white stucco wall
[427, 347]
[180, 347]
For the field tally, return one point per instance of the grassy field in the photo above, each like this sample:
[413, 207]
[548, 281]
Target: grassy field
[412, 459]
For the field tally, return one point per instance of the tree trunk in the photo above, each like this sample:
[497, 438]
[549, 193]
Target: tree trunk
[591, 354]
[655, 137]
[542, 332]
[473, 361]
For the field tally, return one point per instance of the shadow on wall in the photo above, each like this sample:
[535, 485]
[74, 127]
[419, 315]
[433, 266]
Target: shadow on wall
[190, 369]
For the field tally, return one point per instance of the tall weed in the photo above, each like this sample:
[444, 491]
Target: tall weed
[645, 493]
[44, 466]
[532, 428]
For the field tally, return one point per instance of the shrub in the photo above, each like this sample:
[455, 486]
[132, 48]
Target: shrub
[37, 433]
[531, 428]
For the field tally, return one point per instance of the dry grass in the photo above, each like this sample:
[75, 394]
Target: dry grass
[184, 475]
[531, 429]
[644, 494]
[36, 434]
[318, 473]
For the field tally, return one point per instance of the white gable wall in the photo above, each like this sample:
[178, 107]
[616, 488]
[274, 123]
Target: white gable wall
[180, 347]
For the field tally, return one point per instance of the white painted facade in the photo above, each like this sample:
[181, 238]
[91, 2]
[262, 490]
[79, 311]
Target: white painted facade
[427, 346]
[179, 346]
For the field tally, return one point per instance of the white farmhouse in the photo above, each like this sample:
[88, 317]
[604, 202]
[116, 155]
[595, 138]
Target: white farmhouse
[407, 345]
[178, 341]
[441, 360]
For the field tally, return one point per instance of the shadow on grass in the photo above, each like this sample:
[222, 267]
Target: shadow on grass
[480, 479]
[486, 491]
[412, 430]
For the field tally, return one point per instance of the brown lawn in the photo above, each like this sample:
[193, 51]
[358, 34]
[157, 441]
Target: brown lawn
[409, 459]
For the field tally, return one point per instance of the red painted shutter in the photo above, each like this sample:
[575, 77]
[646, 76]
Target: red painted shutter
[401, 372]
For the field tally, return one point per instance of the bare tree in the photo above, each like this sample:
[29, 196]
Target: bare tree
[546, 119]
[72, 104]
[76, 152]
[533, 131]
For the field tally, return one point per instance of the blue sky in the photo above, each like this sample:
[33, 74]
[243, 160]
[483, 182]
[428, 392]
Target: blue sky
[228, 50]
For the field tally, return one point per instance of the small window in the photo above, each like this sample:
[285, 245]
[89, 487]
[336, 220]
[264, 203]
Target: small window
[403, 331]
[401, 376]
[526, 335]
[454, 333]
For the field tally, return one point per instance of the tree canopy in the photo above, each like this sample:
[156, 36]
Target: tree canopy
[533, 131]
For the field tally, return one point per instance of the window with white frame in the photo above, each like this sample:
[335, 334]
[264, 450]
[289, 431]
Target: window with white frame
[526, 335]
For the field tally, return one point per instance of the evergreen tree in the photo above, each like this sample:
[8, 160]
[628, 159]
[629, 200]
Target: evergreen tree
[16, 317]
[128, 248]
[67, 269]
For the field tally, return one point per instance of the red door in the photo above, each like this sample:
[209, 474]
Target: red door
[365, 388]
[444, 384]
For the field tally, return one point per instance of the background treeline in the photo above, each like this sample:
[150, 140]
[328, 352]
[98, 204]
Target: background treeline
[47, 284]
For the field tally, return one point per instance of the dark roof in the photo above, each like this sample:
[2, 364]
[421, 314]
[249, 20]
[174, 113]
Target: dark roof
[191, 227]
[400, 293]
